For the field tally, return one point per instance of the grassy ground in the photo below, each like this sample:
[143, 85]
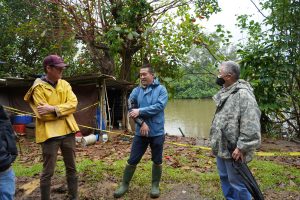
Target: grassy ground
[188, 173]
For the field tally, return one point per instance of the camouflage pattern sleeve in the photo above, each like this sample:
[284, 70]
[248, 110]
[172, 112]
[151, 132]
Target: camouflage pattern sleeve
[250, 137]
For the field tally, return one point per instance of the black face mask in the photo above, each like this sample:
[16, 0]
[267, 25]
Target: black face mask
[220, 81]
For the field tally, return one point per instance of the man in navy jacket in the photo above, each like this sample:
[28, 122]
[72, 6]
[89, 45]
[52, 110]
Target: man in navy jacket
[8, 154]
[151, 99]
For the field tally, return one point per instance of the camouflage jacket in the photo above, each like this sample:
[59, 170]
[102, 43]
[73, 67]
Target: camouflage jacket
[236, 122]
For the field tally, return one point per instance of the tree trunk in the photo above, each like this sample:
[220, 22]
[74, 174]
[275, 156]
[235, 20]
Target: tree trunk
[101, 59]
[107, 64]
[126, 65]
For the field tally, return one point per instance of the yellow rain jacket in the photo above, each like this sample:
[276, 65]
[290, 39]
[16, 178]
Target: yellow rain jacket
[59, 123]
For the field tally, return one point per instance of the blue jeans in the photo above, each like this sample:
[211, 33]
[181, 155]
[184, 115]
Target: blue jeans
[140, 145]
[231, 182]
[7, 184]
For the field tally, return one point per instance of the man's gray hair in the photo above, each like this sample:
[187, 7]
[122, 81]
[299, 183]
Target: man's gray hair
[231, 67]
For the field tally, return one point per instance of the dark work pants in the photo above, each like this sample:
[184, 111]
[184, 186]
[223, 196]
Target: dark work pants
[140, 145]
[49, 152]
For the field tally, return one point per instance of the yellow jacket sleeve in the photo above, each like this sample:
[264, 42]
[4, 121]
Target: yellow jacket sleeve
[69, 107]
[38, 98]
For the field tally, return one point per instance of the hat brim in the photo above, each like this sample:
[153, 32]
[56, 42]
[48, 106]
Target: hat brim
[61, 65]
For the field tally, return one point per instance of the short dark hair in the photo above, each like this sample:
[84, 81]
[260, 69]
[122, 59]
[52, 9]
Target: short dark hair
[149, 67]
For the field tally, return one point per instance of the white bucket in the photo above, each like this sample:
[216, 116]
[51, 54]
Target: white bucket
[90, 139]
[78, 139]
[104, 137]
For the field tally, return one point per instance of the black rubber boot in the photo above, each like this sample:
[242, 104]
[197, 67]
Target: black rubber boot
[156, 175]
[128, 173]
[73, 188]
[45, 192]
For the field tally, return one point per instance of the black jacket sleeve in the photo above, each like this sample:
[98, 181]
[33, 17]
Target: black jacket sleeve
[8, 147]
[131, 105]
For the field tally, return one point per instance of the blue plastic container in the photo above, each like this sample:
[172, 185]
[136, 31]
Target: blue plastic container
[22, 119]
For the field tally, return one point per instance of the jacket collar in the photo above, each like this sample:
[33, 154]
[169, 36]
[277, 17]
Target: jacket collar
[224, 93]
[149, 88]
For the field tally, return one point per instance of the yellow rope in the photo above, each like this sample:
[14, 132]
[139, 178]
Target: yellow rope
[87, 107]
[104, 130]
[265, 154]
[17, 111]
[189, 145]
[21, 112]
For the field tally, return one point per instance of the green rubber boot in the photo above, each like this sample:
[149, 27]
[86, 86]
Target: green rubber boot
[128, 173]
[156, 175]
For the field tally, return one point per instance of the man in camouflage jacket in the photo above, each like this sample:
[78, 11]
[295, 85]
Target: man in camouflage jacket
[235, 130]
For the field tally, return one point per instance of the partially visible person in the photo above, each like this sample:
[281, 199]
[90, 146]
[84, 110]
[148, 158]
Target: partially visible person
[235, 131]
[146, 106]
[8, 154]
[54, 103]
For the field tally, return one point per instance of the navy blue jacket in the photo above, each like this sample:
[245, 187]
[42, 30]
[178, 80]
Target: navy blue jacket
[8, 148]
[151, 102]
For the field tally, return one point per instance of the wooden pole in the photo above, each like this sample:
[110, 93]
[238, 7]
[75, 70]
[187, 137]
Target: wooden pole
[181, 132]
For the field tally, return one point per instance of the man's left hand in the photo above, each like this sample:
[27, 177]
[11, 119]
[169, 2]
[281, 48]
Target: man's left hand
[144, 130]
[134, 113]
[237, 154]
[44, 109]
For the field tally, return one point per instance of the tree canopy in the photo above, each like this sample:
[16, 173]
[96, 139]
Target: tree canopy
[28, 34]
[108, 32]
[270, 59]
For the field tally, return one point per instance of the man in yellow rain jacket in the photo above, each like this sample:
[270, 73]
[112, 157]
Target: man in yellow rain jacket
[54, 103]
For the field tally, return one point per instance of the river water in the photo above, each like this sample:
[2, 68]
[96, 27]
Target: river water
[193, 117]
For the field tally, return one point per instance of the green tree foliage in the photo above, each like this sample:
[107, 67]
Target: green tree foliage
[271, 61]
[184, 56]
[115, 30]
[112, 35]
[199, 74]
[28, 34]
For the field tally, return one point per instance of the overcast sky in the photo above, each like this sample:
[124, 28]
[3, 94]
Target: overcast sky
[228, 15]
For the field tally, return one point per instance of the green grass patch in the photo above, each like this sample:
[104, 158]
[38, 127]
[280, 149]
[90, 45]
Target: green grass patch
[270, 175]
[210, 185]
[91, 171]
[28, 171]
[117, 168]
